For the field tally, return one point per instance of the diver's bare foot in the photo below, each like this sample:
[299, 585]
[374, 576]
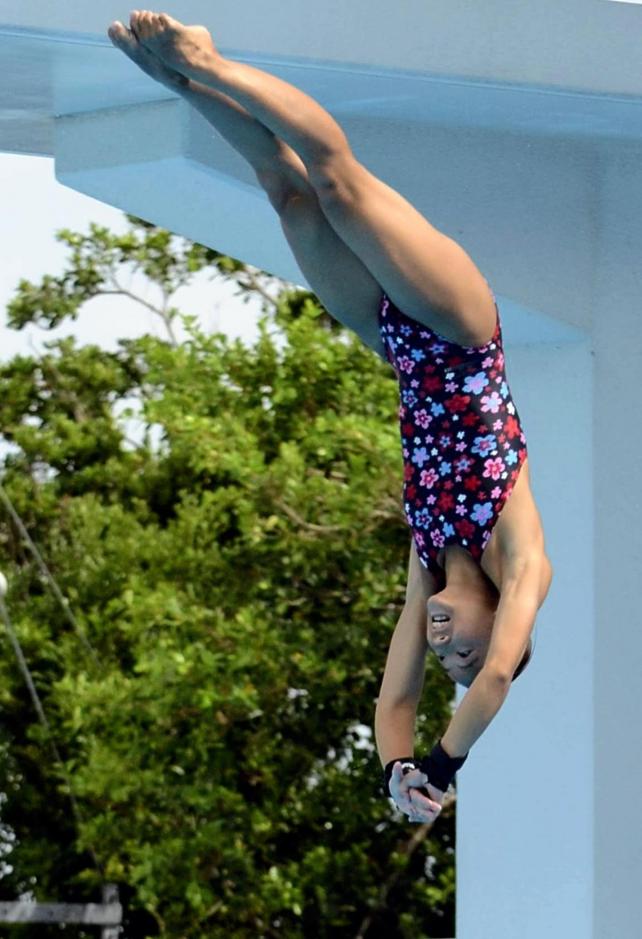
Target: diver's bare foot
[187, 49]
[125, 40]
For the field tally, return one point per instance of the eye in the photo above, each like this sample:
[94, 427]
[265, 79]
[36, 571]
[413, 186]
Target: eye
[462, 655]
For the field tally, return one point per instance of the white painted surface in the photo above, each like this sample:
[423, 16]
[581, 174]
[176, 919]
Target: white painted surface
[525, 815]
[520, 135]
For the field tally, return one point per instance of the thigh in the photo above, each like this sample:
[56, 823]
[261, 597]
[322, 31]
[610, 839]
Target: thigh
[334, 273]
[427, 274]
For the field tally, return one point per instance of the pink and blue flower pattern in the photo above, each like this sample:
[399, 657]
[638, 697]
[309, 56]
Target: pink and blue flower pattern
[461, 437]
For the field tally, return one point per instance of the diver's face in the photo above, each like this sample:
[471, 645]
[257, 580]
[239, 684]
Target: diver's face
[459, 628]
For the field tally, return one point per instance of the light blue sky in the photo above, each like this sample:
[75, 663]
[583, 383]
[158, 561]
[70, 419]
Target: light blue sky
[34, 206]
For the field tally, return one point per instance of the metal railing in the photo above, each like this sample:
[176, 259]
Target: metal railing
[108, 914]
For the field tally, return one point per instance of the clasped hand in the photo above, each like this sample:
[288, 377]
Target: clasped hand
[413, 803]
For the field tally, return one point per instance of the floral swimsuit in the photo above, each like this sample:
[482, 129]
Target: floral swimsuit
[461, 437]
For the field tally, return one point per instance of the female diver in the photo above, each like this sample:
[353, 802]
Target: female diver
[478, 570]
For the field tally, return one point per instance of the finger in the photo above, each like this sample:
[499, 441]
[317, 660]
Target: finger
[419, 800]
[422, 819]
[398, 783]
[397, 768]
[414, 780]
[413, 774]
[402, 784]
[404, 803]
[419, 817]
[409, 777]
[421, 803]
[434, 793]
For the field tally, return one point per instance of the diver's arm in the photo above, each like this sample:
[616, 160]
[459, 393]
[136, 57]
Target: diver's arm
[478, 707]
[519, 602]
[404, 674]
[395, 731]
[514, 622]
[402, 685]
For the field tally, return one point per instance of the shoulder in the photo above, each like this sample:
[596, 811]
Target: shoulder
[421, 584]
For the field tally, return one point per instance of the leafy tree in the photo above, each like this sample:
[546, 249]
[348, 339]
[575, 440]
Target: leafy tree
[238, 582]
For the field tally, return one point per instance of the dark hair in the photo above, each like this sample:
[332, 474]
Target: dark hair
[525, 660]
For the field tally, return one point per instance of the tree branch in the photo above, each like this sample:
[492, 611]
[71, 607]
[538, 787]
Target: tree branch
[78, 411]
[308, 526]
[408, 849]
[132, 296]
[255, 285]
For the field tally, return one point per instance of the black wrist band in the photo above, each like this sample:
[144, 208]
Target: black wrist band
[441, 768]
[437, 766]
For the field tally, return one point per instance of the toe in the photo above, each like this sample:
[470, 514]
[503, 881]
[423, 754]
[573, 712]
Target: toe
[124, 38]
[147, 23]
[116, 31]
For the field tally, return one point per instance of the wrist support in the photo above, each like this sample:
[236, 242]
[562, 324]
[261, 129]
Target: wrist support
[438, 767]
[441, 768]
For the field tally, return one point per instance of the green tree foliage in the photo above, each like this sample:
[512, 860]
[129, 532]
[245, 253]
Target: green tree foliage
[238, 572]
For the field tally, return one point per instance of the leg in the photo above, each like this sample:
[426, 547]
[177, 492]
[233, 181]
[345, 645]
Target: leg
[289, 113]
[334, 273]
[258, 145]
[340, 280]
[425, 272]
